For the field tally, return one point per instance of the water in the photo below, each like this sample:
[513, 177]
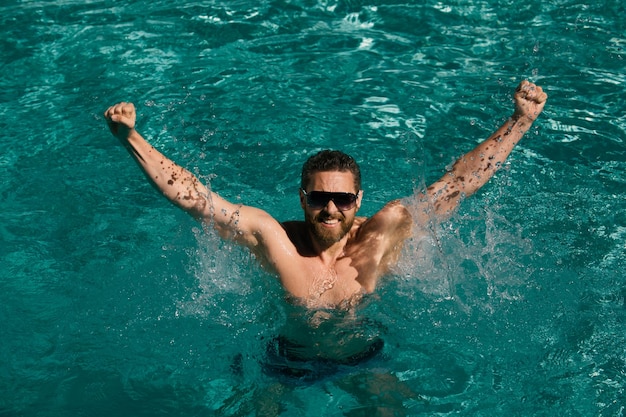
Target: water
[115, 303]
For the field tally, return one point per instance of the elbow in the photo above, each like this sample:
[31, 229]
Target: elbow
[401, 217]
[196, 205]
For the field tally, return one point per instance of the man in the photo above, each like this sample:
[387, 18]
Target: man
[332, 257]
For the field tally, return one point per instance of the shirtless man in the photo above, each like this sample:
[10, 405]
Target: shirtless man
[332, 257]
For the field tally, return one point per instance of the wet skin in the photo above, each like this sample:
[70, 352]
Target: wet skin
[331, 257]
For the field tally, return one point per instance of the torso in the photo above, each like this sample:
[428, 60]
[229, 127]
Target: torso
[341, 283]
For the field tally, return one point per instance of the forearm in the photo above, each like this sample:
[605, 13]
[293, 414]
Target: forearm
[181, 187]
[475, 168]
[177, 184]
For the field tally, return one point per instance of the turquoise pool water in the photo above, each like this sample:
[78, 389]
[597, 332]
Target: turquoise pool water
[114, 303]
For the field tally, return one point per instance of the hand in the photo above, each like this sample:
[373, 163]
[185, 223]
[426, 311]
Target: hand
[121, 119]
[529, 100]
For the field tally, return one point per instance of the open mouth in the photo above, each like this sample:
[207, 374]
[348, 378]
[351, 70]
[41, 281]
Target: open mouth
[329, 221]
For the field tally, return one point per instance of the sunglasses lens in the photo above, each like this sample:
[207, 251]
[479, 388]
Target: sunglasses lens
[316, 201]
[344, 202]
[320, 199]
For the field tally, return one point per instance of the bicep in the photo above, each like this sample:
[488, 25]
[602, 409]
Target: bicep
[444, 196]
[242, 224]
[256, 230]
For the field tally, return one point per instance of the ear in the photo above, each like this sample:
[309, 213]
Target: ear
[359, 199]
[302, 199]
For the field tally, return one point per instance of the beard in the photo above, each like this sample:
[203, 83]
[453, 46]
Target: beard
[327, 237]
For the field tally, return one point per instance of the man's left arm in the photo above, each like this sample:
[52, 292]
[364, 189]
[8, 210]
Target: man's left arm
[475, 168]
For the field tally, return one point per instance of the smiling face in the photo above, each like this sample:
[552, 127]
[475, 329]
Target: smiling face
[328, 224]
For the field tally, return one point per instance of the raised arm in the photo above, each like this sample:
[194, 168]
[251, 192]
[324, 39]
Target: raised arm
[475, 168]
[181, 187]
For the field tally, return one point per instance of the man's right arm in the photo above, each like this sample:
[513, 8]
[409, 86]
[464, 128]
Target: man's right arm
[235, 222]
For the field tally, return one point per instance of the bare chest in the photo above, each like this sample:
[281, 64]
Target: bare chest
[319, 285]
[306, 276]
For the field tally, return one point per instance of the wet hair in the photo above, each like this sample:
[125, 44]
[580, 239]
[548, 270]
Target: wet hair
[328, 160]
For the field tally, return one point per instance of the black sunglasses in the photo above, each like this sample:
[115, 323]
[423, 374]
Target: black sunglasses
[320, 199]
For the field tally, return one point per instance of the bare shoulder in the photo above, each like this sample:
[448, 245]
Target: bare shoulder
[378, 241]
[392, 213]
[393, 221]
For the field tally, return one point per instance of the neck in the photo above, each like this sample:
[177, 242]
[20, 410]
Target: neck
[328, 252]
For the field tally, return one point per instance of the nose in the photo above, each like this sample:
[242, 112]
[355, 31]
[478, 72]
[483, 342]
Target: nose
[331, 207]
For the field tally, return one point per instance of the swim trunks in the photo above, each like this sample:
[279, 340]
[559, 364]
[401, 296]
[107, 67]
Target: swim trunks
[285, 360]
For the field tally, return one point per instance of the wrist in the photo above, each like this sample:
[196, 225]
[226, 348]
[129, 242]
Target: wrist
[127, 134]
[520, 116]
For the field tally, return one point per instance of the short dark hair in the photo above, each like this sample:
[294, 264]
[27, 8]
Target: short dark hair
[329, 160]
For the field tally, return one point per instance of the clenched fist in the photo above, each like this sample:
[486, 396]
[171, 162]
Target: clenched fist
[121, 119]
